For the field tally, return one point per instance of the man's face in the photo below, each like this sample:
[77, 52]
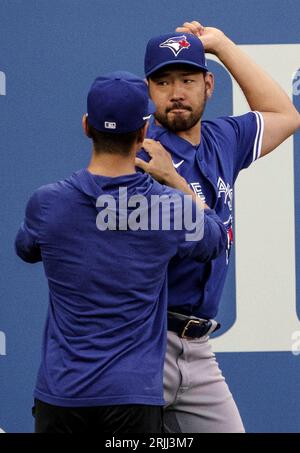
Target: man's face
[180, 94]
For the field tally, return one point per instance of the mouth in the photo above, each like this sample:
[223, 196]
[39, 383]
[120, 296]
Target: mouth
[178, 111]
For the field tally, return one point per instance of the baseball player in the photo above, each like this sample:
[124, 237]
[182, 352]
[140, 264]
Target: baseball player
[105, 333]
[209, 156]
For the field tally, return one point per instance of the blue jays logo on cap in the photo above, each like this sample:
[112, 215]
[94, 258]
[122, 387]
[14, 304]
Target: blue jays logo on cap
[174, 48]
[176, 44]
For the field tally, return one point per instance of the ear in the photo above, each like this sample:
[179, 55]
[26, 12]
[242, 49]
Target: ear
[143, 132]
[209, 84]
[149, 83]
[85, 125]
[141, 136]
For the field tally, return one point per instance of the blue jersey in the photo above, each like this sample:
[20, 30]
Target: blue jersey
[105, 333]
[228, 144]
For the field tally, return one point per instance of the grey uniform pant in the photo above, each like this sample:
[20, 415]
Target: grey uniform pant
[197, 397]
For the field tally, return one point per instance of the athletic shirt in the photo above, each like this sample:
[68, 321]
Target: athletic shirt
[228, 145]
[105, 333]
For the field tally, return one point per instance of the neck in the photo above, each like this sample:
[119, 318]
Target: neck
[112, 165]
[192, 135]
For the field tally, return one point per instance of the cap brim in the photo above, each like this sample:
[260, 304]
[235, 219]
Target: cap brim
[167, 63]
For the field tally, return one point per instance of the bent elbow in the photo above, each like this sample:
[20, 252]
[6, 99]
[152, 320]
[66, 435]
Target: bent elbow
[215, 242]
[294, 122]
[223, 241]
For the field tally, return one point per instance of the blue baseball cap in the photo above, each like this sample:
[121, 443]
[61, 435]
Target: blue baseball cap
[174, 48]
[118, 102]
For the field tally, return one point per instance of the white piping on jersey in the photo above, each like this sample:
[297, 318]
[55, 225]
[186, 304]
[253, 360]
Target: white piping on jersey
[258, 136]
[228, 221]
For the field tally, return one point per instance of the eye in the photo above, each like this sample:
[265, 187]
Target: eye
[162, 83]
[188, 81]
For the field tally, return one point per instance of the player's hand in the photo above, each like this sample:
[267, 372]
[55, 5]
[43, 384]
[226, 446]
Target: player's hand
[160, 167]
[212, 38]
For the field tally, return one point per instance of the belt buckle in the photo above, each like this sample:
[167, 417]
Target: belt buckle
[191, 321]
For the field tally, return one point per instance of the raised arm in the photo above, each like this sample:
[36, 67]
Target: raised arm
[281, 119]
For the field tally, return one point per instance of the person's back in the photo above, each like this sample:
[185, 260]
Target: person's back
[105, 332]
[106, 320]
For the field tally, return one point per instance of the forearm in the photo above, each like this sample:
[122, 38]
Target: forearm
[280, 117]
[214, 239]
[178, 182]
[261, 91]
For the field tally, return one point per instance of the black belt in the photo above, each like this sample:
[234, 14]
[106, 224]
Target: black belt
[190, 328]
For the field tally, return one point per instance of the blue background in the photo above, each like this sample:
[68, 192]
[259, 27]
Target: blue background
[50, 52]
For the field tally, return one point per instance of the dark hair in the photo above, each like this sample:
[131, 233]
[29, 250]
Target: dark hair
[108, 142]
[177, 66]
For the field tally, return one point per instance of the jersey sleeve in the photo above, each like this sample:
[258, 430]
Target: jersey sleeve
[246, 134]
[27, 240]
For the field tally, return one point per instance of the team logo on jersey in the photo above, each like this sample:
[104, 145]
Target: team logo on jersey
[227, 191]
[176, 44]
[198, 190]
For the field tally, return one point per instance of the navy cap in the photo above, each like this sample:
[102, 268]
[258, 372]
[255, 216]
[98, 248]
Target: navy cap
[174, 48]
[118, 102]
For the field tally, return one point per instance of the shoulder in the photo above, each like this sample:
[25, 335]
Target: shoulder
[228, 125]
[233, 132]
[44, 194]
[53, 188]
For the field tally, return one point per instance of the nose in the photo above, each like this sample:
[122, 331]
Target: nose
[177, 93]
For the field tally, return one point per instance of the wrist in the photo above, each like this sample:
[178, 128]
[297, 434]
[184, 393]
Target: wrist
[224, 46]
[176, 181]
